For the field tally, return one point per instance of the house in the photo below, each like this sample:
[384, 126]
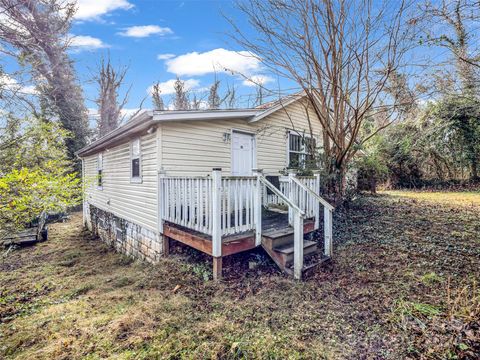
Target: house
[194, 177]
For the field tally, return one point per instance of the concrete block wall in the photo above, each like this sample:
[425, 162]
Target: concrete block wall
[124, 236]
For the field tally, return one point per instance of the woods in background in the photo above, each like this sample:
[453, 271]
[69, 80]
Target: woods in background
[35, 33]
[437, 138]
[42, 125]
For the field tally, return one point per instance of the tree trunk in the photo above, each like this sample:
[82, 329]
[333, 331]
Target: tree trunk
[373, 185]
[340, 184]
[474, 170]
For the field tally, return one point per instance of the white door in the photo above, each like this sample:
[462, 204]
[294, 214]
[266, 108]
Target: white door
[243, 152]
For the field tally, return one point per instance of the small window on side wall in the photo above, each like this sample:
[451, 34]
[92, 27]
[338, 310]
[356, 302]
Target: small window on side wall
[135, 162]
[100, 171]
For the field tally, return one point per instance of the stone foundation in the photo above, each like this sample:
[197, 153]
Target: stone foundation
[124, 236]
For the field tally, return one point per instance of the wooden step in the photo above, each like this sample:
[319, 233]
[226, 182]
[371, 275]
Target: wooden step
[283, 255]
[309, 247]
[281, 239]
[279, 244]
[312, 262]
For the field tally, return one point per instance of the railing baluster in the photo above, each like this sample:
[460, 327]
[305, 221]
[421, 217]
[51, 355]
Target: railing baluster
[188, 202]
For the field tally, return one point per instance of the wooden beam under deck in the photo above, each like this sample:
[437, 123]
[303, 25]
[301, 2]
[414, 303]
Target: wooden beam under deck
[188, 238]
[232, 244]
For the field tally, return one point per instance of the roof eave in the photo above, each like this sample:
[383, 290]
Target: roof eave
[203, 115]
[142, 122]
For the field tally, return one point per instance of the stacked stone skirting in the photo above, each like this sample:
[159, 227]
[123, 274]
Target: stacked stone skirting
[124, 236]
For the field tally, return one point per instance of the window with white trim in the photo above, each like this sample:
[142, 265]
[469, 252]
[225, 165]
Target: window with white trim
[135, 161]
[100, 171]
[300, 151]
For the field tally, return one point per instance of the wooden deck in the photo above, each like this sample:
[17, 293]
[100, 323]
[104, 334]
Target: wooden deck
[221, 215]
[272, 223]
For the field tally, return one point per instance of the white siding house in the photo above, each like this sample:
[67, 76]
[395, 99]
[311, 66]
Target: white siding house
[122, 171]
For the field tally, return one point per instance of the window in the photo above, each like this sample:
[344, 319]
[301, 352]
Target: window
[301, 150]
[136, 161]
[100, 171]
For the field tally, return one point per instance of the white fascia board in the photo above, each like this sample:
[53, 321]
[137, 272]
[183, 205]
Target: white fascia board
[204, 115]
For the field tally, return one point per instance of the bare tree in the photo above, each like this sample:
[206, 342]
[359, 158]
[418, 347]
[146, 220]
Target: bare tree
[36, 33]
[231, 97]
[196, 103]
[452, 25]
[340, 54]
[213, 97]
[180, 101]
[404, 98]
[259, 95]
[157, 97]
[109, 81]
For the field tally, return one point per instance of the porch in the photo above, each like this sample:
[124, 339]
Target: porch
[224, 215]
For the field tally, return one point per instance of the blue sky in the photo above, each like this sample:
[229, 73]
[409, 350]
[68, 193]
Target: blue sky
[159, 40]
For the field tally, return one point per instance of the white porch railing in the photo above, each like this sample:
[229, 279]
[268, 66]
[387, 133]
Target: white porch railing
[303, 194]
[213, 205]
[237, 204]
[187, 201]
[220, 206]
[273, 199]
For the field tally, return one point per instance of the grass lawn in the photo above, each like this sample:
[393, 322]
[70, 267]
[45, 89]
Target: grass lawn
[403, 284]
[452, 197]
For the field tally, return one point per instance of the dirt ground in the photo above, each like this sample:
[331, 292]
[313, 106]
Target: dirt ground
[403, 284]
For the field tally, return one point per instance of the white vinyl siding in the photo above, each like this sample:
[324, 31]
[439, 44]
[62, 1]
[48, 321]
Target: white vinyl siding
[195, 147]
[136, 202]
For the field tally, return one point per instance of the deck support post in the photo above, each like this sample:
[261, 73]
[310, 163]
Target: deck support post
[297, 245]
[217, 268]
[258, 207]
[328, 230]
[216, 212]
[317, 204]
[166, 245]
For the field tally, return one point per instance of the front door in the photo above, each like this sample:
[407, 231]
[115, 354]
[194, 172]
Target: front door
[243, 152]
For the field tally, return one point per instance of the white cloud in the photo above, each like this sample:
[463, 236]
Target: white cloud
[145, 31]
[203, 105]
[85, 42]
[165, 56]
[167, 87]
[29, 89]
[94, 9]
[128, 113]
[217, 60]
[11, 84]
[257, 80]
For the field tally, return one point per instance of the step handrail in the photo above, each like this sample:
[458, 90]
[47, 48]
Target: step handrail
[327, 216]
[299, 214]
[314, 194]
[282, 196]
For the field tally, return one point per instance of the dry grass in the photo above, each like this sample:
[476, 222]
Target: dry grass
[463, 198]
[402, 284]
